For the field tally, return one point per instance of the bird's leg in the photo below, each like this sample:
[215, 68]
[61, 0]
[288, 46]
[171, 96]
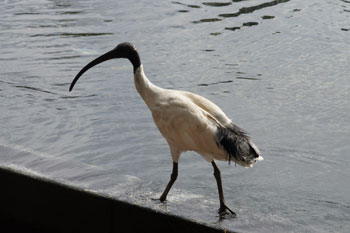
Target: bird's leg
[223, 206]
[173, 177]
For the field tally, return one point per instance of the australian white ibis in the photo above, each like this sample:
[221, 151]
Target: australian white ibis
[188, 122]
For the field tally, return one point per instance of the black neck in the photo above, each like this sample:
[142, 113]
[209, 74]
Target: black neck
[129, 51]
[134, 58]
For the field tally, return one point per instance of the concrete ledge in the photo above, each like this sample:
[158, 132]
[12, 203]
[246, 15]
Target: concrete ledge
[33, 204]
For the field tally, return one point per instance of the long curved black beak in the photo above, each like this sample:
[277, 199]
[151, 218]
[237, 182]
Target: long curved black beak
[107, 56]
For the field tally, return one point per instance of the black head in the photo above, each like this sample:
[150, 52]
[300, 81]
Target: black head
[123, 50]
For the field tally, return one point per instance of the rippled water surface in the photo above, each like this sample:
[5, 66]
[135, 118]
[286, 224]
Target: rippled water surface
[280, 69]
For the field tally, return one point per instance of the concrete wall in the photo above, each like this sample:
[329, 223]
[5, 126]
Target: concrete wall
[31, 204]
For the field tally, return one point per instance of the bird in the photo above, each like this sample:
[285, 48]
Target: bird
[188, 122]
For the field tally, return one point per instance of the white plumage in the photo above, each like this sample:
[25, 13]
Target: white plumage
[188, 122]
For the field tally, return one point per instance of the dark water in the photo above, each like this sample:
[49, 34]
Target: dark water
[280, 69]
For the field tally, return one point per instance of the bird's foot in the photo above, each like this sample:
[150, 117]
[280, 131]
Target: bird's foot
[226, 211]
[162, 200]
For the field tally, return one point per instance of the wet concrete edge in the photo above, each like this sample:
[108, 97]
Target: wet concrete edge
[29, 203]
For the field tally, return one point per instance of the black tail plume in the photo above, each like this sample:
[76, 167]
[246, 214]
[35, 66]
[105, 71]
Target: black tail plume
[236, 144]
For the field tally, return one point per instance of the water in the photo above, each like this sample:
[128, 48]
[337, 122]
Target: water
[279, 69]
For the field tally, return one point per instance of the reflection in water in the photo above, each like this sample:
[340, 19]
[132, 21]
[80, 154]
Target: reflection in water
[191, 6]
[214, 83]
[247, 10]
[232, 28]
[207, 20]
[247, 78]
[26, 13]
[69, 12]
[267, 17]
[243, 10]
[35, 89]
[249, 24]
[217, 4]
[70, 34]
[77, 96]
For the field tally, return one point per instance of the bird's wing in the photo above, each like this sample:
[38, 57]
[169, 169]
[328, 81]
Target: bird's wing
[208, 106]
[233, 139]
[186, 126]
[191, 122]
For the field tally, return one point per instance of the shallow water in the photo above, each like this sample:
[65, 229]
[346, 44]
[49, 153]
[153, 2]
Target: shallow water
[279, 69]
